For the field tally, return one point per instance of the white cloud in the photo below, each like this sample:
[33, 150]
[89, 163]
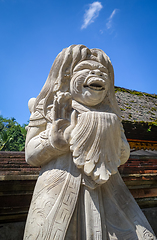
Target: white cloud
[91, 14]
[109, 23]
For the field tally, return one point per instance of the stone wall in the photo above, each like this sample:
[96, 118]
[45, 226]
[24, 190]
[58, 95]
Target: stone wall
[15, 230]
[17, 181]
[12, 231]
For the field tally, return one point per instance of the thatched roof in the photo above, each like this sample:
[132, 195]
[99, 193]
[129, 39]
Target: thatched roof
[139, 117]
[137, 106]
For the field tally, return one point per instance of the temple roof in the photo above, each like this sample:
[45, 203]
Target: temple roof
[139, 118]
[137, 106]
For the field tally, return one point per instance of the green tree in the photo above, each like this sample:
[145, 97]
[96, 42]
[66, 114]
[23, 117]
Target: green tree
[12, 135]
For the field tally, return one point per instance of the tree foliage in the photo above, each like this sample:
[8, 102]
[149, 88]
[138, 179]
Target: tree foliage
[12, 135]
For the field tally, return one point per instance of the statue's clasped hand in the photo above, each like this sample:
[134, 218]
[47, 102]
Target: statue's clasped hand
[64, 121]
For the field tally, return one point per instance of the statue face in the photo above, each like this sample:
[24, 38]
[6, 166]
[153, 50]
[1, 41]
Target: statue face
[89, 83]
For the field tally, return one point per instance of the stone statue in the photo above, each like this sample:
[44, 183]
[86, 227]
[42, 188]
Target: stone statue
[76, 136]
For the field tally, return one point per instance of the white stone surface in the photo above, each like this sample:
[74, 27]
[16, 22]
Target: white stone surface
[75, 134]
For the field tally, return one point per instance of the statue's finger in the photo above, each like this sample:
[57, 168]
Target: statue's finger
[61, 124]
[68, 108]
[74, 118]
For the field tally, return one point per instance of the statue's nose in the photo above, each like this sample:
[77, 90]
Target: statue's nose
[96, 72]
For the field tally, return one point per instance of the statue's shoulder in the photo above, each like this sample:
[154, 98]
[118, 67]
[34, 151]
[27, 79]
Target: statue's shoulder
[37, 117]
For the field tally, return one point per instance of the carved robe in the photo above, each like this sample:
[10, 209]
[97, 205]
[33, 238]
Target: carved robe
[80, 195]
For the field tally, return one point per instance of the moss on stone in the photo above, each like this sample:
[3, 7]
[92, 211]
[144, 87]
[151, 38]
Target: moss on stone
[141, 122]
[122, 109]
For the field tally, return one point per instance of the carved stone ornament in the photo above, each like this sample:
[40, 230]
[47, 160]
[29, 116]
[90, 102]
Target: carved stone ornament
[75, 134]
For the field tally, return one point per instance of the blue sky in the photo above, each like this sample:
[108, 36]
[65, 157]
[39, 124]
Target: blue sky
[33, 32]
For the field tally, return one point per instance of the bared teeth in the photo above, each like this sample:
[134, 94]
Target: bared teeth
[96, 88]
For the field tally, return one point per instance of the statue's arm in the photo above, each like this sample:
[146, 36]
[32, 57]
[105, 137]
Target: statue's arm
[46, 141]
[39, 149]
[125, 148]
